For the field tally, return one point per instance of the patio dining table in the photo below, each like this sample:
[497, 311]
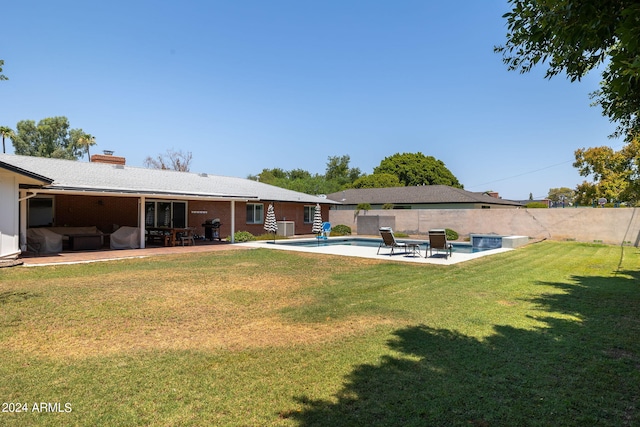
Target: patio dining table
[169, 236]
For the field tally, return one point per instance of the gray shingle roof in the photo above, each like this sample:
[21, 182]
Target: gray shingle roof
[70, 175]
[32, 178]
[424, 194]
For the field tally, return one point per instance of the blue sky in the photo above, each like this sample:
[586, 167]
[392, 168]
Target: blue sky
[247, 85]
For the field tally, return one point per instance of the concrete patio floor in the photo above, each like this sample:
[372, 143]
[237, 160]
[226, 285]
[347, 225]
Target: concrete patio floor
[74, 257]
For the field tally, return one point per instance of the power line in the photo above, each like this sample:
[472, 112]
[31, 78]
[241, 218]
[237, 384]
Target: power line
[521, 174]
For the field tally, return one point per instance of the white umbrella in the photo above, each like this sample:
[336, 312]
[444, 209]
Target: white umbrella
[317, 220]
[270, 224]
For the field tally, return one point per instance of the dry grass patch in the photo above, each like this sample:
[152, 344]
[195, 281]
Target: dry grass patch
[171, 303]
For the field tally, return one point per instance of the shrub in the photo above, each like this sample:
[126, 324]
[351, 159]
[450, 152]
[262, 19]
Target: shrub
[341, 230]
[387, 206]
[242, 236]
[451, 234]
[536, 205]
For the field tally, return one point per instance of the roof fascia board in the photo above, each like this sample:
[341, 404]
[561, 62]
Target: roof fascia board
[26, 173]
[120, 193]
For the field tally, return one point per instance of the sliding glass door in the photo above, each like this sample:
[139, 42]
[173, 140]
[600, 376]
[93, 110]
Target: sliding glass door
[163, 213]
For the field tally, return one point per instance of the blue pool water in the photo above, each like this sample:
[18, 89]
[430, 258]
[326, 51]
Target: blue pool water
[464, 248]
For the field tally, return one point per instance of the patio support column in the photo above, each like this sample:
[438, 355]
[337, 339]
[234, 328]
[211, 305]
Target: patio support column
[141, 221]
[22, 228]
[233, 220]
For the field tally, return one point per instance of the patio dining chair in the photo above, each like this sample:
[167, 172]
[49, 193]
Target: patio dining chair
[389, 241]
[187, 237]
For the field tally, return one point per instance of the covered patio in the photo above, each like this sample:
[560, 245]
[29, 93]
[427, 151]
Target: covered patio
[73, 257]
[68, 197]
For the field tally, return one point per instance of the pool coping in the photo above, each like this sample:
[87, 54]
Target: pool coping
[370, 252]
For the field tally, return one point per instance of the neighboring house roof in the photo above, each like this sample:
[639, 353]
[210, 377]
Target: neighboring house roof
[92, 177]
[423, 194]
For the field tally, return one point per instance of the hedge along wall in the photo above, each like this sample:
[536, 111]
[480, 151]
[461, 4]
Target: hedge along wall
[609, 225]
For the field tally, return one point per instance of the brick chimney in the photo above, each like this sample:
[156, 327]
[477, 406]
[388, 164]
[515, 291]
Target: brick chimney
[108, 157]
[493, 194]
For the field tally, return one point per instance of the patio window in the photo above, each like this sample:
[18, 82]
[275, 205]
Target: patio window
[40, 212]
[309, 211]
[255, 213]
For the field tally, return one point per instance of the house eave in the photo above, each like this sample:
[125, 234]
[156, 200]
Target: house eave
[42, 180]
[79, 191]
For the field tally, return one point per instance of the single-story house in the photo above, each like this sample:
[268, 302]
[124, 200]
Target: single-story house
[38, 192]
[419, 197]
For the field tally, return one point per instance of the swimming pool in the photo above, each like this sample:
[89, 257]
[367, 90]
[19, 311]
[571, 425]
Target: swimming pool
[464, 248]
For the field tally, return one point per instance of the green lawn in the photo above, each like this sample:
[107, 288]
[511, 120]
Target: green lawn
[545, 335]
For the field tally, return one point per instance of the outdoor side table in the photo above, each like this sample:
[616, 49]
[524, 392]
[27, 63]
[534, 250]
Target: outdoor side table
[414, 249]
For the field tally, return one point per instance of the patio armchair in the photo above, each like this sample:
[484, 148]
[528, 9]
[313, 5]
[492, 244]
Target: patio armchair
[389, 241]
[125, 238]
[43, 241]
[438, 241]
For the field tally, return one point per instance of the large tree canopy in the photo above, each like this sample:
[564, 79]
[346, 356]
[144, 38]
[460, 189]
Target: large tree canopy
[417, 169]
[616, 174]
[394, 171]
[51, 137]
[338, 170]
[377, 180]
[338, 175]
[576, 36]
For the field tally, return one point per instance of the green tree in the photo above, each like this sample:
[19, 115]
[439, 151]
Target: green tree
[377, 180]
[338, 170]
[296, 180]
[298, 174]
[576, 37]
[562, 195]
[6, 132]
[417, 169]
[51, 137]
[338, 176]
[83, 140]
[269, 176]
[2, 76]
[616, 174]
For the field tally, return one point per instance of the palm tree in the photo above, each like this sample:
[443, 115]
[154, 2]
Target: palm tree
[6, 133]
[87, 140]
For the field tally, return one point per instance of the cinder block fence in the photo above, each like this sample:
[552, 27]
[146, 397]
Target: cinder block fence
[607, 225]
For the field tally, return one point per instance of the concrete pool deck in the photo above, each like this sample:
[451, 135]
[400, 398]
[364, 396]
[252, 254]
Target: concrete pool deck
[370, 252]
[343, 250]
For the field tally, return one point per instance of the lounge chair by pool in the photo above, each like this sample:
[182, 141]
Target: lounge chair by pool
[438, 241]
[389, 241]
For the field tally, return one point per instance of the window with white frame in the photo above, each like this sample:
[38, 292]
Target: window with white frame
[309, 212]
[255, 213]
